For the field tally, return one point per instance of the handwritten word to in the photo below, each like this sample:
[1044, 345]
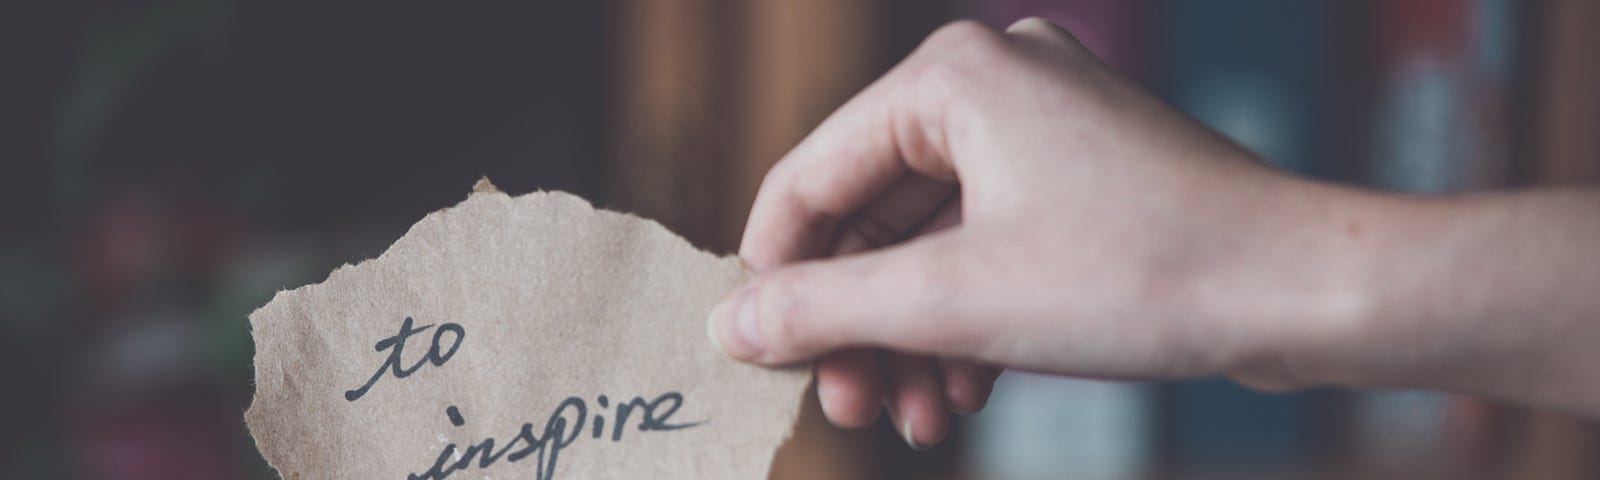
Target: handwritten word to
[398, 342]
[564, 427]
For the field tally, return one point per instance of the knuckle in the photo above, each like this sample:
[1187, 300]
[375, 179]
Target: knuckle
[955, 58]
[965, 41]
[782, 196]
[777, 185]
[1047, 30]
[963, 32]
[1032, 24]
[939, 80]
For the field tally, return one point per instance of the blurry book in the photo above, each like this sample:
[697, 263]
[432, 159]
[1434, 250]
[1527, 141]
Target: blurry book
[1039, 427]
[1441, 120]
[1254, 70]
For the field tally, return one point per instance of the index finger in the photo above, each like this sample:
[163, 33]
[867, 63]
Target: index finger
[887, 131]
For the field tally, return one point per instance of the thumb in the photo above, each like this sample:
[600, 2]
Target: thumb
[905, 298]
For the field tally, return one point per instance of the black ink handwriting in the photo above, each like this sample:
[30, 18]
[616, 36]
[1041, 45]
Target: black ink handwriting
[397, 343]
[561, 429]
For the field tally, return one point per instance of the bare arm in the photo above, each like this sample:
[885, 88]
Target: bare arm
[1493, 294]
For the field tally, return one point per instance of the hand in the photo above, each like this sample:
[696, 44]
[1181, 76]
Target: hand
[1004, 200]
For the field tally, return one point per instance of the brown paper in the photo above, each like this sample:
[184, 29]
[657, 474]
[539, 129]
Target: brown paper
[546, 340]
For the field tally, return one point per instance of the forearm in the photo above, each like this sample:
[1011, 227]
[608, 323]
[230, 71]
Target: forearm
[1493, 294]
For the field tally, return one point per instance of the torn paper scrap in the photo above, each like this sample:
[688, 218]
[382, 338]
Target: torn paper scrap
[533, 337]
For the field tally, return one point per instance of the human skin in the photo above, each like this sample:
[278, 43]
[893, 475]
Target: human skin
[1003, 200]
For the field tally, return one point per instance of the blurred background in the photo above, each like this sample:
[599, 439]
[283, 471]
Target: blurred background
[170, 164]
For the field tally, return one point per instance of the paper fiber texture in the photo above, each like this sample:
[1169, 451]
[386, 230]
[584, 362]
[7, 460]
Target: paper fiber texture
[532, 337]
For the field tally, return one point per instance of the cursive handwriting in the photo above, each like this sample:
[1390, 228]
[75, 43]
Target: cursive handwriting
[398, 343]
[561, 429]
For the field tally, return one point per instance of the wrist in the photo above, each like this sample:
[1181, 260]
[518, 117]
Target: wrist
[1302, 297]
[1482, 294]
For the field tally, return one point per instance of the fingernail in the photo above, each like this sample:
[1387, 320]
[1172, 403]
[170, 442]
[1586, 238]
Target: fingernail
[737, 317]
[825, 399]
[905, 431]
[711, 328]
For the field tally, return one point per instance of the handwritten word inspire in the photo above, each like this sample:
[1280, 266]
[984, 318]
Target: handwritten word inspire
[561, 429]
